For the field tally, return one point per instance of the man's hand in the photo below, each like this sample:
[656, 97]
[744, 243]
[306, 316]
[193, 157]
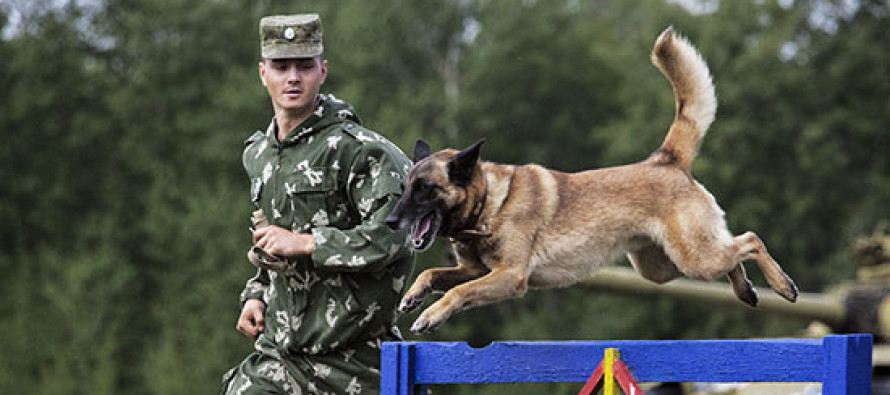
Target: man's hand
[282, 242]
[252, 321]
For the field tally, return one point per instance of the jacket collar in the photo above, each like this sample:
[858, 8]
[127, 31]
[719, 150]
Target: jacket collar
[329, 111]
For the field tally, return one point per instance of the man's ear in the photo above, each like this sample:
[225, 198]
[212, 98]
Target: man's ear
[323, 63]
[421, 150]
[262, 70]
[461, 167]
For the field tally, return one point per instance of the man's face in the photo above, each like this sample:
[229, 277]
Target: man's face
[293, 84]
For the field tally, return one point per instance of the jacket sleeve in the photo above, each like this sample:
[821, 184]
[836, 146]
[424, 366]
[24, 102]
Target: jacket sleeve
[256, 286]
[374, 187]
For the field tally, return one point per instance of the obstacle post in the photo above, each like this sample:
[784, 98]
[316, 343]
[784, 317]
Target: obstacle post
[609, 387]
[842, 363]
[609, 376]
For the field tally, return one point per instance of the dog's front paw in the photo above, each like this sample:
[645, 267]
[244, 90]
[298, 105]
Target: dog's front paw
[426, 323]
[408, 304]
[434, 316]
[413, 298]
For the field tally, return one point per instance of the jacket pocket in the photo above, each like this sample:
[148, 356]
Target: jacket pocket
[311, 195]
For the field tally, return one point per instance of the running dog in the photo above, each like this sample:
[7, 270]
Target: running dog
[519, 227]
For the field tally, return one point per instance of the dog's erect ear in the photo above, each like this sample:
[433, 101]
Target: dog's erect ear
[460, 169]
[421, 150]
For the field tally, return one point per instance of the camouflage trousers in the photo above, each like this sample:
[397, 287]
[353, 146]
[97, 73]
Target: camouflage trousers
[349, 371]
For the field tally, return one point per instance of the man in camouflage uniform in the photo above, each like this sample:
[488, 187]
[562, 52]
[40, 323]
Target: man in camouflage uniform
[325, 185]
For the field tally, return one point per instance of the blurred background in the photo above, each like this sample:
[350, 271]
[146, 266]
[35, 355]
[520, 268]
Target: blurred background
[124, 205]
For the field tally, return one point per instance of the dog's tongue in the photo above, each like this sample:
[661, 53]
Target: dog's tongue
[422, 228]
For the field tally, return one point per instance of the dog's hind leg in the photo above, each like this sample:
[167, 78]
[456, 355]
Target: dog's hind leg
[652, 264]
[702, 248]
[439, 280]
[742, 286]
[706, 252]
[749, 246]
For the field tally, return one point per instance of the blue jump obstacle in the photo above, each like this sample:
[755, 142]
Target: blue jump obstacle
[842, 363]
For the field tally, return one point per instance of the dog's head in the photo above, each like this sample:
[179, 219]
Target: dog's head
[436, 193]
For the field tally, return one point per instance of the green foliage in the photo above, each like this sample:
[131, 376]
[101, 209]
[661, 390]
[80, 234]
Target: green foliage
[125, 205]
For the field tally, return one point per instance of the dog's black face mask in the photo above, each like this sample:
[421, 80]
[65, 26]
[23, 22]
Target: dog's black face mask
[429, 189]
[422, 212]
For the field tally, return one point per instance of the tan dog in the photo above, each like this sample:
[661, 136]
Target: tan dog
[520, 227]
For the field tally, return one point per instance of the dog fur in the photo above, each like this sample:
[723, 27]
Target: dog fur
[519, 227]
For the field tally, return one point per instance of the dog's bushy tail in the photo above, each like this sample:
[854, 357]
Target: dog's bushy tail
[696, 101]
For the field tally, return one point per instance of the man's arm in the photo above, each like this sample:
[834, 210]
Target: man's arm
[252, 320]
[368, 247]
[366, 242]
[281, 242]
[256, 286]
[374, 187]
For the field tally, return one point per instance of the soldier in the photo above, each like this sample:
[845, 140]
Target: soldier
[325, 184]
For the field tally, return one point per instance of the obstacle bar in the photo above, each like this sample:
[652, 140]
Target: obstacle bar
[842, 363]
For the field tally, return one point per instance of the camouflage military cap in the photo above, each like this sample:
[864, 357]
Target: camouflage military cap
[291, 36]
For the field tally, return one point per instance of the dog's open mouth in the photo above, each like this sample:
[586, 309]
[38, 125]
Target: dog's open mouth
[425, 231]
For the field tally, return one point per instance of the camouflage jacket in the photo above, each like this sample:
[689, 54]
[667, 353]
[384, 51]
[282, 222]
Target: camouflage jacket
[337, 180]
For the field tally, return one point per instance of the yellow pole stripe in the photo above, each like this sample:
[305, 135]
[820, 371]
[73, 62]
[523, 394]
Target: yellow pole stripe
[610, 387]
